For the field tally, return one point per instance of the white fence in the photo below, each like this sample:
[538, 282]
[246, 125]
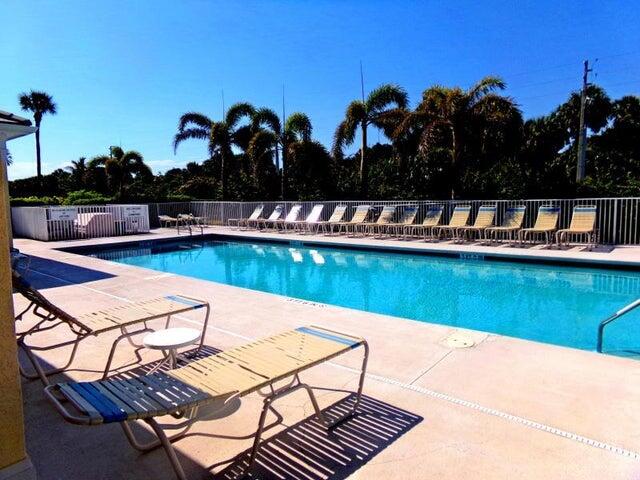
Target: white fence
[617, 223]
[71, 222]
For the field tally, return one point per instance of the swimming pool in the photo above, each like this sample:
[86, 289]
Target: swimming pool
[547, 303]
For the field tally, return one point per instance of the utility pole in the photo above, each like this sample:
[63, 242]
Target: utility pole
[284, 148]
[582, 134]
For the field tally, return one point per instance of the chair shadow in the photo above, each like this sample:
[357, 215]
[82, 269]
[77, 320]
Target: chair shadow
[46, 273]
[308, 450]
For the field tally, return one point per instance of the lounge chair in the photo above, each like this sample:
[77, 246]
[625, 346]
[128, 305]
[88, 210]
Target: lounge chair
[17, 258]
[546, 224]
[95, 224]
[359, 216]
[262, 223]
[384, 220]
[484, 219]
[167, 221]
[121, 318]
[583, 224]
[239, 222]
[431, 219]
[336, 217]
[311, 222]
[292, 216]
[214, 381]
[459, 219]
[511, 225]
[408, 217]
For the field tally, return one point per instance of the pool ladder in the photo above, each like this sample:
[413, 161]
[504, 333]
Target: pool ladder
[613, 317]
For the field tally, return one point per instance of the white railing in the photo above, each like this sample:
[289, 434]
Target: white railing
[617, 223]
[72, 222]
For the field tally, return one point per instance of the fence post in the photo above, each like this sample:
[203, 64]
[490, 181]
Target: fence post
[615, 222]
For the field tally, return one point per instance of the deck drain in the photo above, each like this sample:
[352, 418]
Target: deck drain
[459, 340]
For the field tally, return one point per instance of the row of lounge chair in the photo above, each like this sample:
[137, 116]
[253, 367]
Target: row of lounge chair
[271, 367]
[583, 223]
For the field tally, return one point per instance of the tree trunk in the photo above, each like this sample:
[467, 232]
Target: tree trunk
[223, 183]
[363, 164]
[283, 180]
[38, 160]
[454, 162]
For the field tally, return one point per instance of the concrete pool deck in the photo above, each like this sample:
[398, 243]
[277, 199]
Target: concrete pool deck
[504, 408]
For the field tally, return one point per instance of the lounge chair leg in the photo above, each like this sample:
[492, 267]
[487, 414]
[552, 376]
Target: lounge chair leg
[168, 448]
[41, 372]
[126, 335]
[256, 440]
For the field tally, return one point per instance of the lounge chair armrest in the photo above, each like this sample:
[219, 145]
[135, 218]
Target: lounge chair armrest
[52, 392]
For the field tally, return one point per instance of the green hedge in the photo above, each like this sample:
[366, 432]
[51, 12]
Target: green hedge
[86, 197]
[35, 201]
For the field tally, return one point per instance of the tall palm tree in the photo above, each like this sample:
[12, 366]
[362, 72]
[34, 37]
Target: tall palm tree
[453, 112]
[39, 103]
[121, 168]
[383, 108]
[297, 128]
[221, 136]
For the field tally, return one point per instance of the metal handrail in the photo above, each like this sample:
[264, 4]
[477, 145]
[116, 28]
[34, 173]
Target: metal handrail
[613, 317]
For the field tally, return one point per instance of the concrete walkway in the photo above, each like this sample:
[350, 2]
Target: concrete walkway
[504, 408]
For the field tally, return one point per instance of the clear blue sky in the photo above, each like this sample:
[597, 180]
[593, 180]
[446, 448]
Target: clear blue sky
[122, 72]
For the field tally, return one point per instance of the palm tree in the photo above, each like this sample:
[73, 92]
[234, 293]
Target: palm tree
[121, 168]
[78, 170]
[39, 103]
[297, 128]
[453, 112]
[383, 108]
[221, 136]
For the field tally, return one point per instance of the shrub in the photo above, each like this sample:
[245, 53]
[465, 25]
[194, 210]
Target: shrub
[35, 201]
[86, 197]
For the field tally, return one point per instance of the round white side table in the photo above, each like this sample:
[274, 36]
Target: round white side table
[169, 341]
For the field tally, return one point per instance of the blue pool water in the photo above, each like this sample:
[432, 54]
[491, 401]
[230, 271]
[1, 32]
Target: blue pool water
[547, 303]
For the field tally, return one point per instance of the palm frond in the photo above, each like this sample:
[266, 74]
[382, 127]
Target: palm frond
[194, 119]
[98, 161]
[262, 142]
[189, 133]
[485, 86]
[344, 135]
[131, 158]
[267, 117]
[299, 123]
[39, 103]
[386, 95]
[237, 111]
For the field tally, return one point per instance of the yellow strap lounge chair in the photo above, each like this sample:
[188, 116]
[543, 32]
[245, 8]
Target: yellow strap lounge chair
[244, 222]
[359, 216]
[123, 318]
[460, 217]
[546, 224]
[264, 223]
[431, 218]
[384, 219]
[336, 217]
[212, 381]
[583, 224]
[511, 225]
[485, 218]
[409, 215]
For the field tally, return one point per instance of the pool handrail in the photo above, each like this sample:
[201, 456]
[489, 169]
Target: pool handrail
[615, 316]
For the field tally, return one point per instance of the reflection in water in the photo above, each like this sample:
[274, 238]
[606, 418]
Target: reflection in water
[560, 305]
